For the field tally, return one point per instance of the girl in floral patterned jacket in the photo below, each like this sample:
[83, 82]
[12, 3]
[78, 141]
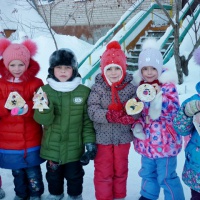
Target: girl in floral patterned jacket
[183, 124]
[155, 138]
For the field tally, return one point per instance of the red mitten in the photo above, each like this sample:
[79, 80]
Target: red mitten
[119, 117]
[113, 116]
[127, 119]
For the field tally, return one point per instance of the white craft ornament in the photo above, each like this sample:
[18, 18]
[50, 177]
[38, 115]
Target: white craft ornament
[14, 100]
[146, 92]
[40, 101]
[133, 107]
[196, 124]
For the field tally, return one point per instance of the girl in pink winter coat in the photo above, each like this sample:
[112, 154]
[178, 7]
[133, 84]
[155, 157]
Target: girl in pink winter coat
[155, 138]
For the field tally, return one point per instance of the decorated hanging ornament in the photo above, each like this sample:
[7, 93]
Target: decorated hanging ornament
[146, 92]
[40, 101]
[196, 123]
[133, 107]
[14, 100]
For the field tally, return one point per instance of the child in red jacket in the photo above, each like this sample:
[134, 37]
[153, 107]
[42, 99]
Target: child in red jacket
[20, 134]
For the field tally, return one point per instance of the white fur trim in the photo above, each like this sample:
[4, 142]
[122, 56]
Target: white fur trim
[109, 66]
[156, 106]
[136, 78]
[168, 76]
[150, 43]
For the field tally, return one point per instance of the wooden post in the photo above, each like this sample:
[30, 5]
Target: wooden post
[152, 12]
[171, 11]
[90, 60]
[124, 26]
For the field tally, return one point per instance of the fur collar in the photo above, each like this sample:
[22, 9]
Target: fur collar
[167, 76]
[30, 73]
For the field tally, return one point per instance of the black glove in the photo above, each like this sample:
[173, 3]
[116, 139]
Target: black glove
[89, 154]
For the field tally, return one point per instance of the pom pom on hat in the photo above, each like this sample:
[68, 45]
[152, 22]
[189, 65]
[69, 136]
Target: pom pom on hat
[31, 46]
[4, 43]
[150, 56]
[196, 55]
[113, 45]
[113, 56]
[13, 51]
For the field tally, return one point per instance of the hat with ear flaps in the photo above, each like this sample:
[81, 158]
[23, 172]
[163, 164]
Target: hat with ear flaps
[23, 52]
[63, 57]
[114, 57]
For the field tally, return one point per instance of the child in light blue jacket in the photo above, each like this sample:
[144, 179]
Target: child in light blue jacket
[183, 124]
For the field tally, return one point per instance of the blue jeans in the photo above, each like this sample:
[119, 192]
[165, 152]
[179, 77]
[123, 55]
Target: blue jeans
[28, 182]
[160, 173]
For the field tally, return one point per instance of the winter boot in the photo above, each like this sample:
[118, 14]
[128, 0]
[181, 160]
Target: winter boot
[143, 198]
[79, 197]
[54, 197]
[2, 193]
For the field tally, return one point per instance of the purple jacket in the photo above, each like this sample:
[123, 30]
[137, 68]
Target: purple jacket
[98, 101]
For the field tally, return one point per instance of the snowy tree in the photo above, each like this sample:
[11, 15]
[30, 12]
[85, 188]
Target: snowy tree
[180, 61]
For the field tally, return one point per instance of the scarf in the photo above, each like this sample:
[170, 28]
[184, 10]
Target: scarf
[64, 86]
[116, 103]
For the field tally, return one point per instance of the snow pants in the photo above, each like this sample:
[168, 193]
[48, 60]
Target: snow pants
[73, 172]
[28, 182]
[160, 173]
[111, 171]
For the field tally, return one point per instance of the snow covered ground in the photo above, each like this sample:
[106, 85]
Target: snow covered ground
[133, 185]
[45, 48]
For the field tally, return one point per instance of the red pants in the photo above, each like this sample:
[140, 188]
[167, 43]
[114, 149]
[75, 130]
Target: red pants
[111, 171]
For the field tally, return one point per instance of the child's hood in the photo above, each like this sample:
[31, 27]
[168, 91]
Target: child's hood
[30, 73]
[198, 88]
[167, 76]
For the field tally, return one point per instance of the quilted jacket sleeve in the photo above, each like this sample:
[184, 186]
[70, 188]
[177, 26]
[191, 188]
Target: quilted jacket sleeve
[182, 123]
[95, 111]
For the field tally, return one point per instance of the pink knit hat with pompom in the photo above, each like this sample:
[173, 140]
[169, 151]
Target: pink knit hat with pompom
[12, 51]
